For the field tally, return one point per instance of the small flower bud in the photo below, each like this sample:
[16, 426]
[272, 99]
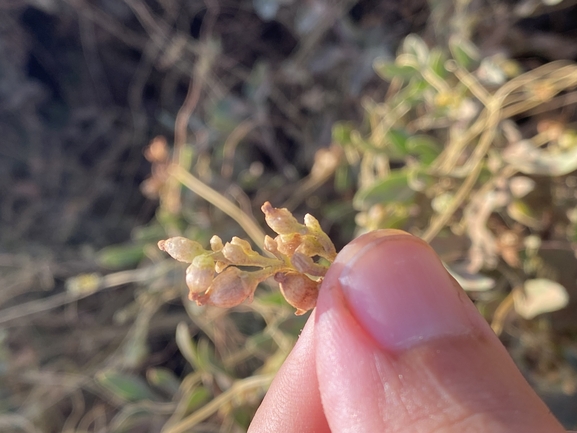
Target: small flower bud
[299, 290]
[315, 229]
[281, 220]
[239, 252]
[216, 243]
[200, 274]
[270, 245]
[310, 246]
[245, 245]
[234, 254]
[305, 265]
[181, 249]
[221, 266]
[230, 288]
[287, 244]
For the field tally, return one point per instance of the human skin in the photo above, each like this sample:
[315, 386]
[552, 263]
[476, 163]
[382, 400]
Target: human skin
[395, 345]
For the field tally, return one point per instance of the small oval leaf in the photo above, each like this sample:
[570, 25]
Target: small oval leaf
[125, 386]
[529, 159]
[393, 188]
[540, 296]
[120, 256]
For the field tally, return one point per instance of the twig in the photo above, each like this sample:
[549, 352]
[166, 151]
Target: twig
[248, 224]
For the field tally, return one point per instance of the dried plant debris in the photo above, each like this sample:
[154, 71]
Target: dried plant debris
[225, 275]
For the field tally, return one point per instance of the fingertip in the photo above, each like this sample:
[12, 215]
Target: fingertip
[292, 403]
[400, 347]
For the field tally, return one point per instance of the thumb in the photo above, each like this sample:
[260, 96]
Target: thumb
[401, 348]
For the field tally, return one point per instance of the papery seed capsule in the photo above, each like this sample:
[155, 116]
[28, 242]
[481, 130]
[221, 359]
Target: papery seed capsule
[181, 249]
[229, 288]
[310, 246]
[270, 245]
[245, 245]
[235, 254]
[315, 229]
[200, 274]
[220, 266]
[287, 244]
[216, 243]
[305, 265]
[281, 220]
[299, 290]
[240, 253]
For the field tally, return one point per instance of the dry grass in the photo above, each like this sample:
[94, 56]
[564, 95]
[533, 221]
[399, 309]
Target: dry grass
[472, 151]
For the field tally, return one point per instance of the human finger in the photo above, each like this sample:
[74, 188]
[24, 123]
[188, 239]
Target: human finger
[401, 348]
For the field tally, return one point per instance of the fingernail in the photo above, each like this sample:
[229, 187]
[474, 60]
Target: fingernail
[399, 291]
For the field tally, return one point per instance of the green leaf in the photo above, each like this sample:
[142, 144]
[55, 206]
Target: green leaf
[521, 212]
[418, 179]
[463, 51]
[540, 296]
[415, 46]
[120, 256]
[150, 233]
[359, 142]
[125, 386]
[188, 348]
[397, 138]
[198, 397]
[437, 61]
[424, 147]
[414, 91]
[163, 379]
[389, 70]
[275, 299]
[341, 133]
[393, 188]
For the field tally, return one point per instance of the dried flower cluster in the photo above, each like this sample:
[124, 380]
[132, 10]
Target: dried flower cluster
[225, 275]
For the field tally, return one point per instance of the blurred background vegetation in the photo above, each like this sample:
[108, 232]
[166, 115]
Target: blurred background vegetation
[123, 122]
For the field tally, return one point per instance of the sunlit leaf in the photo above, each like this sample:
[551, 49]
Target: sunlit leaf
[267, 299]
[424, 147]
[521, 212]
[528, 159]
[125, 386]
[520, 186]
[437, 61]
[163, 379]
[188, 348]
[490, 72]
[397, 138]
[419, 179]
[389, 70]
[471, 282]
[198, 397]
[441, 202]
[120, 256]
[394, 187]
[414, 45]
[342, 133]
[540, 296]
[463, 51]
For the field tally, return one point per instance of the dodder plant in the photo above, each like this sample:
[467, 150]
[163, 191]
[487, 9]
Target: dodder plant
[224, 276]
